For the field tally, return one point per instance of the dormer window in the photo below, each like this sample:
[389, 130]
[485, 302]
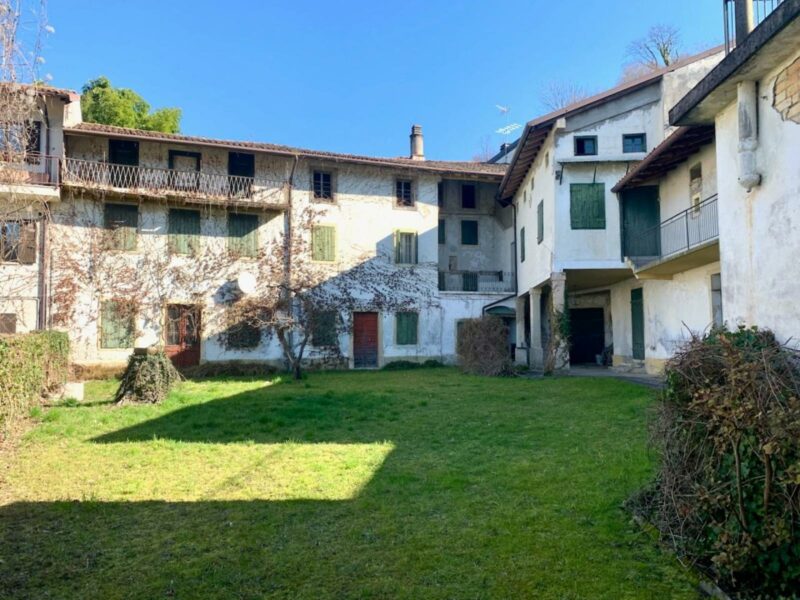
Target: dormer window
[586, 145]
[634, 142]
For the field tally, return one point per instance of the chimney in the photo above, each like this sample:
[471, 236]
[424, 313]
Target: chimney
[745, 21]
[417, 146]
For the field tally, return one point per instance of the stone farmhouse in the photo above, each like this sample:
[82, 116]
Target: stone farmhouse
[607, 233]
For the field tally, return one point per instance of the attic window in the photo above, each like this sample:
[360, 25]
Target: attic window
[403, 193]
[634, 142]
[586, 145]
[323, 188]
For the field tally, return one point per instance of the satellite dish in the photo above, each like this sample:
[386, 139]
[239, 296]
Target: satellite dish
[246, 282]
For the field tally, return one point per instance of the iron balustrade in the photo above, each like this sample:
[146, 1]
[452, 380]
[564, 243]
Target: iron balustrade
[489, 282]
[29, 169]
[688, 229]
[761, 10]
[169, 182]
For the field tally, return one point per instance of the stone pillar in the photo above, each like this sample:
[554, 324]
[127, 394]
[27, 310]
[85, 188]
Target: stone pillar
[521, 357]
[536, 351]
[558, 296]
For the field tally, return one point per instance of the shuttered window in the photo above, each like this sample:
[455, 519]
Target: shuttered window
[243, 336]
[405, 248]
[184, 231]
[323, 329]
[406, 324]
[323, 185]
[540, 222]
[323, 243]
[243, 234]
[403, 192]
[468, 196]
[469, 233]
[442, 232]
[522, 245]
[18, 242]
[587, 208]
[122, 220]
[8, 323]
[116, 326]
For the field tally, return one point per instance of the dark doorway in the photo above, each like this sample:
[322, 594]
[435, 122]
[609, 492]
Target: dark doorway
[182, 339]
[123, 152]
[587, 335]
[365, 340]
[241, 171]
[637, 323]
[641, 216]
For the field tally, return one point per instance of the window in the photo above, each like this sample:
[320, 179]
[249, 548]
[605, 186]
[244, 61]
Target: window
[116, 325]
[405, 248]
[586, 145]
[323, 329]
[185, 167]
[469, 233]
[716, 300]
[243, 234]
[403, 193]
[243, 336]
[18, 242]
[587, 206]
[323, 185]
[21, 141]
[323, 243]
[522, 245]
[540, 222]
[122, 221]
[440, 194]
[241, 172]
[406, 324]
[634, 142]
[468, 195]
[696, 187]
[184, 231]
[442, 232]
[8, 323]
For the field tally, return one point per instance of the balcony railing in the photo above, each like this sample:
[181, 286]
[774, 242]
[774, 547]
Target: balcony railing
[761, 10]
[488, 282]
[153, 181]
[29, 169]
[685, 231]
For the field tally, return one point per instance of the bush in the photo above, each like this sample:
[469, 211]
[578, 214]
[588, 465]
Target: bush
[483, 347]
[728, 491]
[32, 365]
[408, 365]
[229, 368]
[148, 378]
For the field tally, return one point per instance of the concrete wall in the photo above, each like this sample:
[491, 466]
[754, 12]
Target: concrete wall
[759, 244]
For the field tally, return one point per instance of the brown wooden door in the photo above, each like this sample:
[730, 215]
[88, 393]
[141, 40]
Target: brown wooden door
[182, 343]
[365, 340]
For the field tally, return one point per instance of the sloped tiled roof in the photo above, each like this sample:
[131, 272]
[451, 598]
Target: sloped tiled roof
[439, 166]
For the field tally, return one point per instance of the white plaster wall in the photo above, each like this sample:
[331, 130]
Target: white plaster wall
[672, 309]
[674, 191]
[676, 84]
[456, 307]
[759, 241]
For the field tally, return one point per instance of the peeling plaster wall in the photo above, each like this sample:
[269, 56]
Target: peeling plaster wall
[759, 242]
[672, 308]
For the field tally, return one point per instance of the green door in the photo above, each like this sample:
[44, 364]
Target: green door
[640, 219]
[637, 323]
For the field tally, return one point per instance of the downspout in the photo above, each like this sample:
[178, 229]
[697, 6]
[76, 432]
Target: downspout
[44, 263]
[747, 105]
[287, 261]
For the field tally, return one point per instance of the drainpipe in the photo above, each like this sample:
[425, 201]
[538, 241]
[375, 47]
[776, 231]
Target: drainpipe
[44, 263]
[747, 104]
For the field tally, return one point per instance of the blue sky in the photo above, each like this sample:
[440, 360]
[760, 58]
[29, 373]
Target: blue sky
[352, 76]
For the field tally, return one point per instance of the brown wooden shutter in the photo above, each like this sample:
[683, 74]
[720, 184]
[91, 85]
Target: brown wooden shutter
[27, 244]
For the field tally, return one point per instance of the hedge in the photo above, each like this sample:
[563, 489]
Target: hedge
[31, 365]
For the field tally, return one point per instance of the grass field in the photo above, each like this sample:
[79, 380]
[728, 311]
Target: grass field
[416, 484]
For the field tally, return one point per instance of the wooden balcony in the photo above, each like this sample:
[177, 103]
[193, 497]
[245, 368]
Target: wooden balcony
[189, 187]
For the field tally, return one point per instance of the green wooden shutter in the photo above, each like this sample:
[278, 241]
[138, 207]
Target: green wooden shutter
[587, 208]
[184, 231]
[405, 251]
[323, 243]
[540, 222]
[407, 327]
[243, 234]
[522, 245]
[116, 329]
[323, 329]
[123, 221]
[442, 233]
[469, 233]
[637, 323]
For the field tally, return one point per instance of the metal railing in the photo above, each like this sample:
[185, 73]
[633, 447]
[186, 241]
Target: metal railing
[29, 169]
[682, 232]
[489, 282]
[761, 10]
[168, 182]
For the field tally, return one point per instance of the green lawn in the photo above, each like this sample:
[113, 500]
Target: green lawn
[416, 484]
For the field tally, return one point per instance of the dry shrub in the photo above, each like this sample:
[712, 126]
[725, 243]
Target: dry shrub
[483, 347]
[148, 378]
[727, 495]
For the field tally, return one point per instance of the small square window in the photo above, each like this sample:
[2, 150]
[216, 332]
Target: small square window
[469, 233]
[403, 193]
[634, 142]
[586, 145]
[468, 196]
[323, 186]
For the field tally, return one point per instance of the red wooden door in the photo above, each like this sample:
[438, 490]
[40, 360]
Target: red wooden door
[365, 340]
[182, 343]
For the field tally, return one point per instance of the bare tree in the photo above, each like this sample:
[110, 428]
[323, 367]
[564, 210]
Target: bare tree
[556, 94]
[660, 47]
[485, 151]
